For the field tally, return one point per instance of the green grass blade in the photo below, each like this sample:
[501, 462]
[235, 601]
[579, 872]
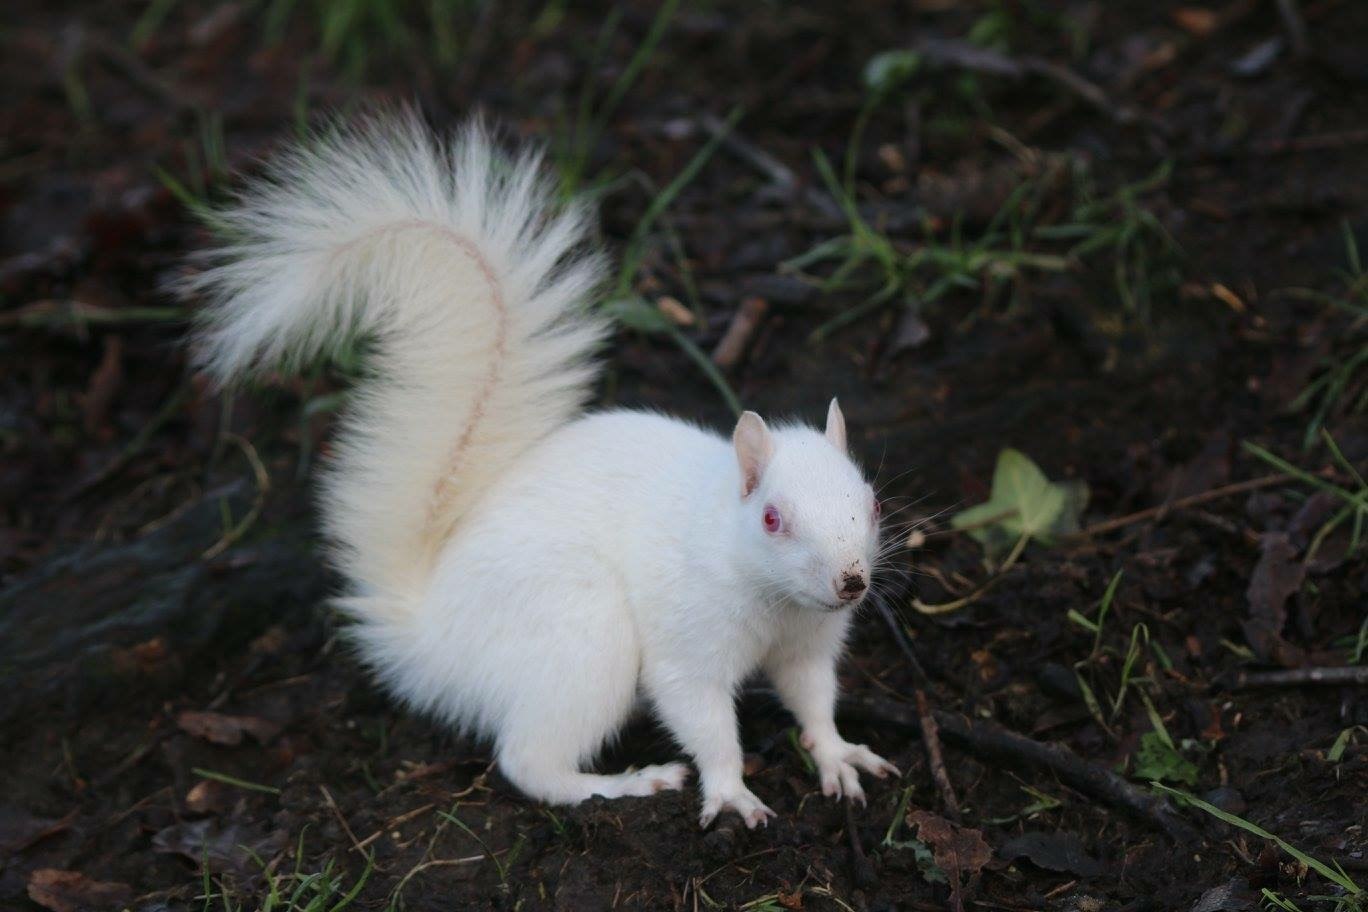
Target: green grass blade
[1320, 867]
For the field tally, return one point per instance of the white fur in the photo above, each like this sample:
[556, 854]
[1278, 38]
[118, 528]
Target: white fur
[520, 570]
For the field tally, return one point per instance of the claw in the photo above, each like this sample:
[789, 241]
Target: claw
[751, 809]
[840, 764]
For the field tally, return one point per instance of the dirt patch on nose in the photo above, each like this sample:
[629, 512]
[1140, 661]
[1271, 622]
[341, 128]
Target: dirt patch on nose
[852, 582]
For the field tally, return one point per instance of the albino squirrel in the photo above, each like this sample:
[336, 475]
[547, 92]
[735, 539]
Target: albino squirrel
[518, 568]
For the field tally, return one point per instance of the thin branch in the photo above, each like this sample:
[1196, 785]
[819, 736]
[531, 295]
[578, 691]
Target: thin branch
[931, 739]
[1348, 675]
[1182, 503]
[990, 740]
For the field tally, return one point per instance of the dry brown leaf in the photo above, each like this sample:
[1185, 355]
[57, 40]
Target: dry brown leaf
[223, 847]
[1276, 578]
[208, 797]
[72, 891]
[1196, 20]
[219, 728]
[956, 849]
[19, 829]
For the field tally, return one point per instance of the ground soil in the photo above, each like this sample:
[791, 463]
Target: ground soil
[158, 553]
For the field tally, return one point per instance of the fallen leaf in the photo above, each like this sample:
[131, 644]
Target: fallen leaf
[142, 658]
[1025, 503]
[223, 848]
[1275, 579]
[19, 829]
[1060, 851]
[72, 891]
[1159, 761]
[1233, 896]
[208, 797]
[270, 642]
[1196, 21]
[911, 332]
[219, 728]
[957, 850]
[1307, 522]
[1209, 468]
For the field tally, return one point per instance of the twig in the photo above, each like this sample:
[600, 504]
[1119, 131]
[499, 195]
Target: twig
[346, 827]
[778, 172]
[1110, 525]
[475, 50]
[975, 595]
[52, 313]
[392, 823]
[970, 527]
[135, 446]
[1068, 79]
[133, 759]
[931, 739]
[1318, 142]
[904, 642]
[263, 484]
[1296, 27]
[861, 870]
[992, 740]
[1182, 503]
[953, 52]
[138, 73]
[744, 323]
[397, 893]
[1351, 675]
[781, 176]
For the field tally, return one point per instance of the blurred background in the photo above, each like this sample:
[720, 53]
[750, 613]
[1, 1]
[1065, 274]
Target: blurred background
[1086, 278]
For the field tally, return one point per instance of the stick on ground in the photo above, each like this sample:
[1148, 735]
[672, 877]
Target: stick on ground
[990, 740]
[744, 323]
[1341, 675]
[931, 738]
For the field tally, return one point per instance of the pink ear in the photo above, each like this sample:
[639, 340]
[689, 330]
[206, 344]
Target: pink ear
[754, 447]
[835, 426]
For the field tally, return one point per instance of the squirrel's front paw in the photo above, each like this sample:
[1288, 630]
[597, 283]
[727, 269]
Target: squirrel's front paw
[838, 764]
[739, 799]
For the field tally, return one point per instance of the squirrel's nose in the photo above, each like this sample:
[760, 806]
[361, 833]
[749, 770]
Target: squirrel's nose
[851, 586]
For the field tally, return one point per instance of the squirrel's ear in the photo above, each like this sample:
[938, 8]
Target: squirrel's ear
[754, 447]
[835, 426]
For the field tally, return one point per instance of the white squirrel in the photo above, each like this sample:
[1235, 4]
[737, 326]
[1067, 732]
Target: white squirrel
[518, 568]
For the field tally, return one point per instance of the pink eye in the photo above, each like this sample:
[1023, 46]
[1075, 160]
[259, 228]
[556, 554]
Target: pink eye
[774, 523]
[878, 509]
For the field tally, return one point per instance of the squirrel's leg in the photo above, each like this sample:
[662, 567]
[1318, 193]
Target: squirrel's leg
[702, 717]
[575, 689]
[805, 677]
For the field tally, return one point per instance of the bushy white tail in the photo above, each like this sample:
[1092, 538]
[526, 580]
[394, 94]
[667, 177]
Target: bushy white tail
[468, 284]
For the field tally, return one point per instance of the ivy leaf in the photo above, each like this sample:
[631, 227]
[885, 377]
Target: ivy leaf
[1023, 503]
[1158, 760]
[890, 70]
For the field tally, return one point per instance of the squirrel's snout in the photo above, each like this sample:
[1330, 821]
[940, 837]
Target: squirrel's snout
[851, 586]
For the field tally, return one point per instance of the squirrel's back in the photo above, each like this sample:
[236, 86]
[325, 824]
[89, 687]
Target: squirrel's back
[467, 283]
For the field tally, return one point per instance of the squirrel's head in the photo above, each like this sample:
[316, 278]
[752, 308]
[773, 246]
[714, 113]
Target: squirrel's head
[810, 521]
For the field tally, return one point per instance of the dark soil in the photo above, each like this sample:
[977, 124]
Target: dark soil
[157, 550]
